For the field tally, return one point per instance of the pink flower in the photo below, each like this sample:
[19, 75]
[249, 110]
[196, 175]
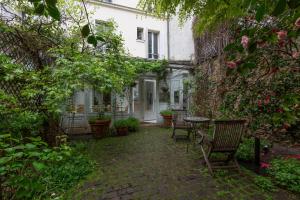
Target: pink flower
[245, 41]
[267, 100]
[296, 55]
[279, 110]
[264, 165]
[281, 35]
[259, 103]
[297, 23]
[294, 156]
[231, 64]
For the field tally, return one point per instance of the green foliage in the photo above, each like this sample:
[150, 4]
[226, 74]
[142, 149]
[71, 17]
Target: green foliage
[166, 112]
[133, 124]
[122, 123]
[265, 183]
[286, 173]
[100, 117]
[246, 149]
[29, 169]
[212, 13]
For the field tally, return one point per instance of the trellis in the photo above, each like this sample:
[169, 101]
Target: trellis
[209, 51]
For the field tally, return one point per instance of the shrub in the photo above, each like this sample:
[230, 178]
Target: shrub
[29, 169]
[286, 173]
[100, 117]
[246, 149]
[166, 112]
[121, 123]
[133, 124]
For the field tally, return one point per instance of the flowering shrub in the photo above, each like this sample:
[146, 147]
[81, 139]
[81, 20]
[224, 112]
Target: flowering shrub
[263, 82]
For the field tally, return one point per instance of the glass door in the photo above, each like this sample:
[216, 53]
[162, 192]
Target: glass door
[150, 99]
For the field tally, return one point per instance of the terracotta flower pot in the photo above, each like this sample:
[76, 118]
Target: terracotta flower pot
[167, 120]
[100, 128]
[122, 131]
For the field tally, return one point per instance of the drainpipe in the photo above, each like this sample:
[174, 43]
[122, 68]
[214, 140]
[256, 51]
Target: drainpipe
[168, 37]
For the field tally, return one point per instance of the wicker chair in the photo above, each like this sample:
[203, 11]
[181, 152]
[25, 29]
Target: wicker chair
[226, 139]
[179, 123]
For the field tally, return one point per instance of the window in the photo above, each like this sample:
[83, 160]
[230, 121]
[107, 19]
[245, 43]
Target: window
[139, 33]
[153, 45]
[102, 27]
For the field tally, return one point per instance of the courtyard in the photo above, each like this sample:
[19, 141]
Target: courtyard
[150, 165]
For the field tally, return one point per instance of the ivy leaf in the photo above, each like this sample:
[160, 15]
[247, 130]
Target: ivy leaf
[85, 31]
[40, 9]
[51, 2]
[100, 38]
[53, 12]
[4, 160]
[92, 40]
[280, 7]
[38, 166]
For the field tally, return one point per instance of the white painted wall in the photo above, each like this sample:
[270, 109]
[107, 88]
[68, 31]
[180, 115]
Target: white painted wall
[127, 21]
[181, 40]
[128, 3]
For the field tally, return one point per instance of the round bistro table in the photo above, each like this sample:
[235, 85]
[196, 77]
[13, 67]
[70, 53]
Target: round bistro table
[195, 123]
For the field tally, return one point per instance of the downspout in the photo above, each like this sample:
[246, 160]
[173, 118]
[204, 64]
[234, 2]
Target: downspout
[168, 37]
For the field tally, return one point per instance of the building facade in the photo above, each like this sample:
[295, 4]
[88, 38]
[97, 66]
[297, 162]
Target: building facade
[145, 36]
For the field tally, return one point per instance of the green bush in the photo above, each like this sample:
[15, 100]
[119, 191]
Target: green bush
[166, 112]
[286, 173]
[100, 117]
[121, 123]
[133, 124]
[31, 170]
[246, 148]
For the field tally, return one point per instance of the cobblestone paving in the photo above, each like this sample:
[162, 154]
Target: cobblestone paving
[150, 165]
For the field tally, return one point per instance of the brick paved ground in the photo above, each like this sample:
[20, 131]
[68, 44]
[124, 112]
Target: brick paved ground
[150, 165]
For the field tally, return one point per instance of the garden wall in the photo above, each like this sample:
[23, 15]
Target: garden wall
[209, 87]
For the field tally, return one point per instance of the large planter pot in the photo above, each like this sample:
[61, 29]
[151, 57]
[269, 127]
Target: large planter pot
[167, 120]
[122, 131]
[100, 128]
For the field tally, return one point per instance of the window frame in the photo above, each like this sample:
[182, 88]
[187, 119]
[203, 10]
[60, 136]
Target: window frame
[143, 34]
[153, 55]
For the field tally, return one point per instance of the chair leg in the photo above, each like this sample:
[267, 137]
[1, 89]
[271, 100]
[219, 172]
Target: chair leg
[237, 165]
[207, 161]
[173, 134]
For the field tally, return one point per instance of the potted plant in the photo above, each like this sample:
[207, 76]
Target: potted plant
[100, 125]
[121, 127]
[133, 124]
[167, 116]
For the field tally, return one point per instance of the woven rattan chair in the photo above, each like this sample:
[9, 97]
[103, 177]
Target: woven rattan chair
[226, 140]
[178, 123]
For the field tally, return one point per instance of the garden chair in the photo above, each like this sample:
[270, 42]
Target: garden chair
[226, 139]
[179, 124]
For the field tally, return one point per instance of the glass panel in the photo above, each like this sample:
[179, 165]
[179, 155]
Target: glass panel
[135, 98]
[164, 93]
[155, 45]
[149, 96]
[107, 101]
[140, 32]
[150, 45]
[176, 97]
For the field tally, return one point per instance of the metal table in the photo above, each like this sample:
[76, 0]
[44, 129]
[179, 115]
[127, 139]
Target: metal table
[195, 122]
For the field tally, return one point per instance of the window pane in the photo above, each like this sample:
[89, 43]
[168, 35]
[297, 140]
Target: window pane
[150, 45]
[155, 43]
[140, 33]
[176, 97]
